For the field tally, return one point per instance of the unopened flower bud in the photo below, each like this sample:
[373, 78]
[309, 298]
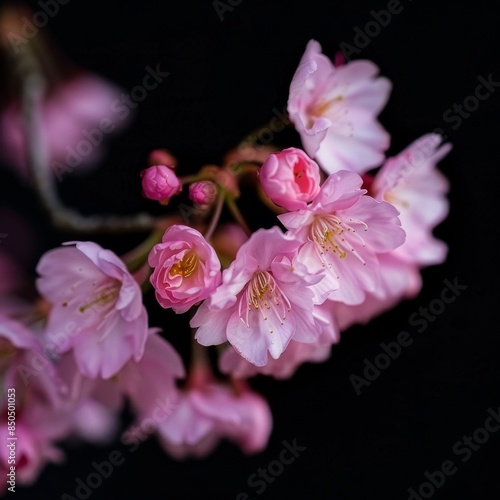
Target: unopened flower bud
[290, 178]
[203, 193]
[160, 183]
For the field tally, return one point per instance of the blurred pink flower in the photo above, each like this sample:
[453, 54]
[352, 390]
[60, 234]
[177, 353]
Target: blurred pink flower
[38, 426]
[203, 193]
[334, 110]
[411, 182]
[150, 384]
[290, 178]
[96, 307]
[343, 231]
[186, 268]
[211, 412]
[227, 240]
[75, 118]
[263, 302]
[24, 363]
[398, 280]
[39, 420]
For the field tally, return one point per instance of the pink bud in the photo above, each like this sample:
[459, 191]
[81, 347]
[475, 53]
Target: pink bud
[202, 193]
[160, 183]
[290, 178]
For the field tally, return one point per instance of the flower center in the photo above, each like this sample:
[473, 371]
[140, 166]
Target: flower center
[106, 294]
[187, 266]
[334, 235]
[322, 107]
[264, 295]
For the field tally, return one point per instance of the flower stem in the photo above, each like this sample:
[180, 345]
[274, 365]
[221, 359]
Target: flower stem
[33, 88]
[216, 215]
[137, 256]
[238, 216]
[189, 179]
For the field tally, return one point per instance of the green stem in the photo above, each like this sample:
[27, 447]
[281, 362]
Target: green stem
[189, 179]
[136, 257]
[245, 167]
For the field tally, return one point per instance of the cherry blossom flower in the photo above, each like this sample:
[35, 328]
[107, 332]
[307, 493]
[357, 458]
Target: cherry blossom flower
[186, 268]
[343, 230]
[263, 302]
[71, 117]
[39, 420]
[210, 412]
[96, 307]
[399, 280]
[149, 385]
[296, 353]
[411, 182]
[334, 110]
[290, 178]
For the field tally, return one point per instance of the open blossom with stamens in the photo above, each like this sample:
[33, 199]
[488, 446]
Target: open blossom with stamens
[263, 302]
[334, 110]
[294, 355]
[26, 373]
[343, 230]
[186, 268]
[97, 308]
[411, 182]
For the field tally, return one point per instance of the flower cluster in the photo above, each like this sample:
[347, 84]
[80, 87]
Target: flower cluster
[342, 244]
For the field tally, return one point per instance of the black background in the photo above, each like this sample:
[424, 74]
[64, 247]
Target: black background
[225, 79]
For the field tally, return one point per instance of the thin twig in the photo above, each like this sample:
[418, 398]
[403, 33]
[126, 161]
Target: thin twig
[216, 216]
[33, 89]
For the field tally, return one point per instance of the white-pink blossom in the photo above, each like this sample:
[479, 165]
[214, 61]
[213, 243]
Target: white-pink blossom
[264, 301]
[343, 230]
[334, 110]
[97, 310]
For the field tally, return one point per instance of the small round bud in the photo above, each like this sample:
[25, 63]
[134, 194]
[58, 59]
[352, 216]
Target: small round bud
[203, 193]
[160, 183]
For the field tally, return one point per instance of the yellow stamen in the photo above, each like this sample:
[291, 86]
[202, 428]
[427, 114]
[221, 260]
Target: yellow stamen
[187, 266]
